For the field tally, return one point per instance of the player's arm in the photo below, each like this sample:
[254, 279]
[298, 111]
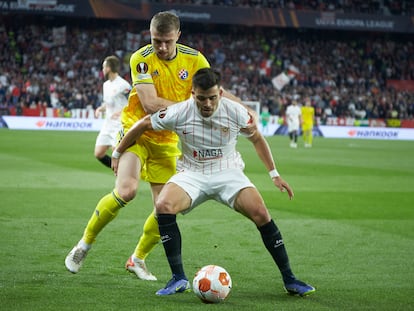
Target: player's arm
[144, 86]
[265, 155]
[149, 98]
[116, 115]
[100, 110]
[129, 139]
[233, 97]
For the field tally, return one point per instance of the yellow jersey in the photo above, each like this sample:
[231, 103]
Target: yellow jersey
[308, 115]
[171, 78]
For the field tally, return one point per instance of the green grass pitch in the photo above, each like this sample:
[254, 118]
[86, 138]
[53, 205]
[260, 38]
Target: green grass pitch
[349, 230]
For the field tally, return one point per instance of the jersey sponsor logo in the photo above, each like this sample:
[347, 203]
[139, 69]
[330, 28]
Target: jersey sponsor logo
[142, 68]
[208, 154]
[183, 74]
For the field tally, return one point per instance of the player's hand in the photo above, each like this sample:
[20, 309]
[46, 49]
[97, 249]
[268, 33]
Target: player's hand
[283, 186]
[114, 165]
[98, 112]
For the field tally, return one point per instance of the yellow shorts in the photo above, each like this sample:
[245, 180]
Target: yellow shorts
[307, 127]
[159, 162]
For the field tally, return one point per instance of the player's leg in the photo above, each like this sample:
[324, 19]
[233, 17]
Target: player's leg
[107, 209]
[157, 172]
[149, 238]
[106, 138]
[292, 135]
[249, 203]
[310, 139]
[173, 199]
[307, 132]
[295, 137]
[101, 156]
[125, 190]
[151, 234]
[305, 135]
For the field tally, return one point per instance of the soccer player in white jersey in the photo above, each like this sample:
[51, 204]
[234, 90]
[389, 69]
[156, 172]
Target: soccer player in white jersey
[115, 98]
[208, 126]
[293, 119]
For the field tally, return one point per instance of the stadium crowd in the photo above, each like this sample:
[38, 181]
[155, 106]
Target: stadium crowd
[344, 76]
[387, 7]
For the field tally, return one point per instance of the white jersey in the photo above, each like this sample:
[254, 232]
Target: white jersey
[293, 113]
[208, 144]
[115, 98]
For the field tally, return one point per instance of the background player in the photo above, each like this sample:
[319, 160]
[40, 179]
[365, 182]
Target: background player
[265, 119]
[293, 119]
[308, 116]
[115, 98]
[208, 126]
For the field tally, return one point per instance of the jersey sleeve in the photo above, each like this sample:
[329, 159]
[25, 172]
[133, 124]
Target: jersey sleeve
[125, 88]
[247, 122]
[239, 115]
[140, 72]
[165, 119]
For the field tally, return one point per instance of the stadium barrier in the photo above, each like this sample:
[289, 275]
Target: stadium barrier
[51, 124]
[274, 128]
[383, 133]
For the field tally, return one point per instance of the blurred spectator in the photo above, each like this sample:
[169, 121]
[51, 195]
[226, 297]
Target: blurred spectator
[343, 76]
[396, 7]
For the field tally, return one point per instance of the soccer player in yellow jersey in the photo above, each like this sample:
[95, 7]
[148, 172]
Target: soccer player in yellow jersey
[161, 75]
[308, 116]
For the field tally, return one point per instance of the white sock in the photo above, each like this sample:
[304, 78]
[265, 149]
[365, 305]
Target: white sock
[85, 246]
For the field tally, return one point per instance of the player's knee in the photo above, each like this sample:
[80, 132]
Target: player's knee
[260, 216]
[164, 207]
[127, 192]
[99, 155]
[100, 152]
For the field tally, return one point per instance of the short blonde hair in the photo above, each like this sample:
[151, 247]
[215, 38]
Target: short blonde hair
[165, 22]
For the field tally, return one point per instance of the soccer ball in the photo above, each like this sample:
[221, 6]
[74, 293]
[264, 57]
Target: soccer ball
[212, 284]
